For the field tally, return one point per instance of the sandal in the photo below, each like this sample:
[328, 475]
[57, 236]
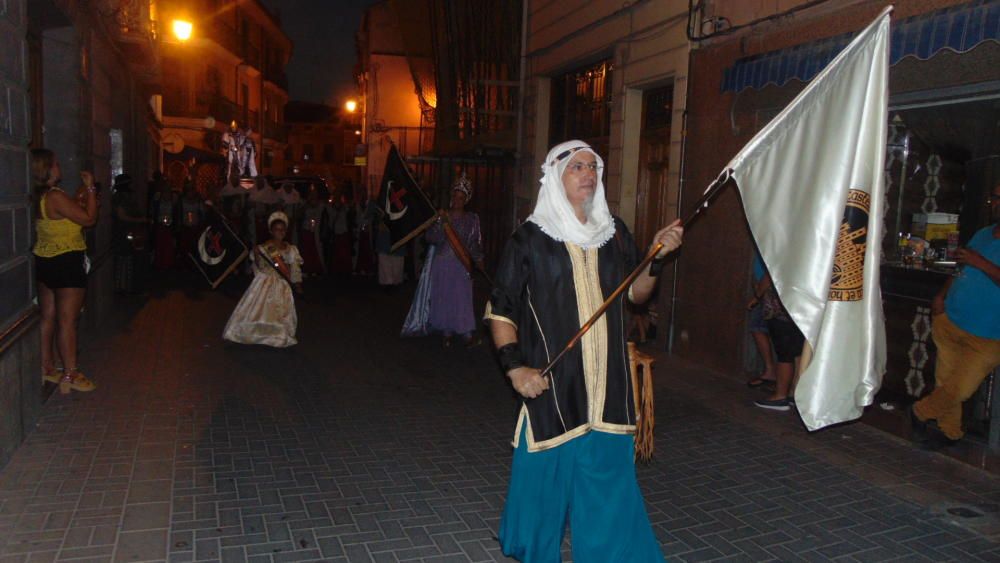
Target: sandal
[52, 376]
[74, 380]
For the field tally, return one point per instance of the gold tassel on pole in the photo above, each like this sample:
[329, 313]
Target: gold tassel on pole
[643, 397]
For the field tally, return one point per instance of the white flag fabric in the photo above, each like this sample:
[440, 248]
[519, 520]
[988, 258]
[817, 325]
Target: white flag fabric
[813, 189]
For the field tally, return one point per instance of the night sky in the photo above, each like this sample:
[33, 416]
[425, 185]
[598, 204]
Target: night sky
[323, 59]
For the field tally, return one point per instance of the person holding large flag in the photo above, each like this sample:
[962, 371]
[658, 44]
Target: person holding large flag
[966, 331]
[574, 449]
[451, 311]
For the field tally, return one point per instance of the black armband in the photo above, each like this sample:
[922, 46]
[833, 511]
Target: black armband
[656, 266]
[510, 357]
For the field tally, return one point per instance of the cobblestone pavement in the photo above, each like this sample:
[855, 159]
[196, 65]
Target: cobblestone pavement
[358, 446]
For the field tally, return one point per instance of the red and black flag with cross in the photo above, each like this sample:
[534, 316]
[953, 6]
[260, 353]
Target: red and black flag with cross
[406, 209]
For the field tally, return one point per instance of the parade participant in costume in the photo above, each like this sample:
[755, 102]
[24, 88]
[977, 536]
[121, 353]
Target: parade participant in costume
[314, 224]
[367, 214]
[266, 312]
[234, 203]
[340, 259]
[128, 233]
[451, 283]
[262, 199]
[60, 266]
[574, 449]
[192, 209]
[164, 210]
[390, 262]
[290, 201]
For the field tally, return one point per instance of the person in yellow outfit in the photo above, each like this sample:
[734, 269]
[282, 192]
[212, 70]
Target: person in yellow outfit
[60, 265]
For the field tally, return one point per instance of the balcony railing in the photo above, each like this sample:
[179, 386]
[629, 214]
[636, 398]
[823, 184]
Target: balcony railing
[222, 109]
[226, 36]
[276, 131]
[128, 22]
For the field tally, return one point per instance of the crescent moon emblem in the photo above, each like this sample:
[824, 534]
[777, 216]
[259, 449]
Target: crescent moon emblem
[203, 252]
[388, 204]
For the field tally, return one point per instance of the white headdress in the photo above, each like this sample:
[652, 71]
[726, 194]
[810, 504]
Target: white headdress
[277, 216]
[554, 213]
[463, 185]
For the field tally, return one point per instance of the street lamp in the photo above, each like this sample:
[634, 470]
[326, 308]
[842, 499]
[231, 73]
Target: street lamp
[351, 106]
[182, 29]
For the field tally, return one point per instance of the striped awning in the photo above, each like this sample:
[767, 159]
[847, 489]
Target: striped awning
[958, 28]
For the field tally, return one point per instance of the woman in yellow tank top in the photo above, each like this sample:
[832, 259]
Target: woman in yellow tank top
[60, 265]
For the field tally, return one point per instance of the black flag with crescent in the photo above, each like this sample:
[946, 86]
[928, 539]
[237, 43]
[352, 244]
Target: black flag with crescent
[404, 208]
[218, 250]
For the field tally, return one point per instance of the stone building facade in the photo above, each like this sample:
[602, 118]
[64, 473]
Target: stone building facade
[614, 75]
[76, 78]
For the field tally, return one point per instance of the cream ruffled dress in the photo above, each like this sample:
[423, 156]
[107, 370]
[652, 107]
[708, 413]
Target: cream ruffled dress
[266, 312]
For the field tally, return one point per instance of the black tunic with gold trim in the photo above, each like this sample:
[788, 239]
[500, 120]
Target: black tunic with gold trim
[547, 289]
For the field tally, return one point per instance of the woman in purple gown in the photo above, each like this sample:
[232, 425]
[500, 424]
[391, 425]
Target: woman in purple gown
[451, 283]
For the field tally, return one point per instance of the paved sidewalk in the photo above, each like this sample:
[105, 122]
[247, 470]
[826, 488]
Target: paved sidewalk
[358, 446]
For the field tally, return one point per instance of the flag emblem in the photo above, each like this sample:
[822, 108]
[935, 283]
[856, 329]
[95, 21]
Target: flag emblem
[406, 208]
[848, 279]
[218, 251]
[395, 200]
[824, 260]
[210, 247]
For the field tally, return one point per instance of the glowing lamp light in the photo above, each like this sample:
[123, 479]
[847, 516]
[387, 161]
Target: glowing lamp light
[351, 106]
[357, 132]
[182, 29]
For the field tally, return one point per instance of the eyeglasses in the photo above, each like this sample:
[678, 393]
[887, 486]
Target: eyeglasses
[580, 167]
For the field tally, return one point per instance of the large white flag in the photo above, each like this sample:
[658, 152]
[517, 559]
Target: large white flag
[813, 189]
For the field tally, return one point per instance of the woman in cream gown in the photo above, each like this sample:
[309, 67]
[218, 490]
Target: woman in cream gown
[266, 312]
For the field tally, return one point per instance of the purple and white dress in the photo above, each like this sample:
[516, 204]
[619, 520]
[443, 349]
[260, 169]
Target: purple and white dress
[450, 283]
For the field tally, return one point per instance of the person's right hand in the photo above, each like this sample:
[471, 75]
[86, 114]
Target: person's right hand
[528, 381]
[753, 303]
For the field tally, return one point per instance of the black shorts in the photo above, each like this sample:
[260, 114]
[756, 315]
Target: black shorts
[64, 270]
[787, 339]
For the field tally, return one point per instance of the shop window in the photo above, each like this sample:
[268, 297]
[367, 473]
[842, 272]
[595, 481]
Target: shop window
[581, 106]
[307, 152]
[288, 153]
[328, 153]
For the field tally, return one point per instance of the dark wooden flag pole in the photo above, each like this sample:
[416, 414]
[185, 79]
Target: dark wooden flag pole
[461, 252]
[700, 206]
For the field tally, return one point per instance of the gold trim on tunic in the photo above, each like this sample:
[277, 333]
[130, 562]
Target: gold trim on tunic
[490, 316]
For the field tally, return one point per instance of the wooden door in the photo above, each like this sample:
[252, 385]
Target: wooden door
[654, 163]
